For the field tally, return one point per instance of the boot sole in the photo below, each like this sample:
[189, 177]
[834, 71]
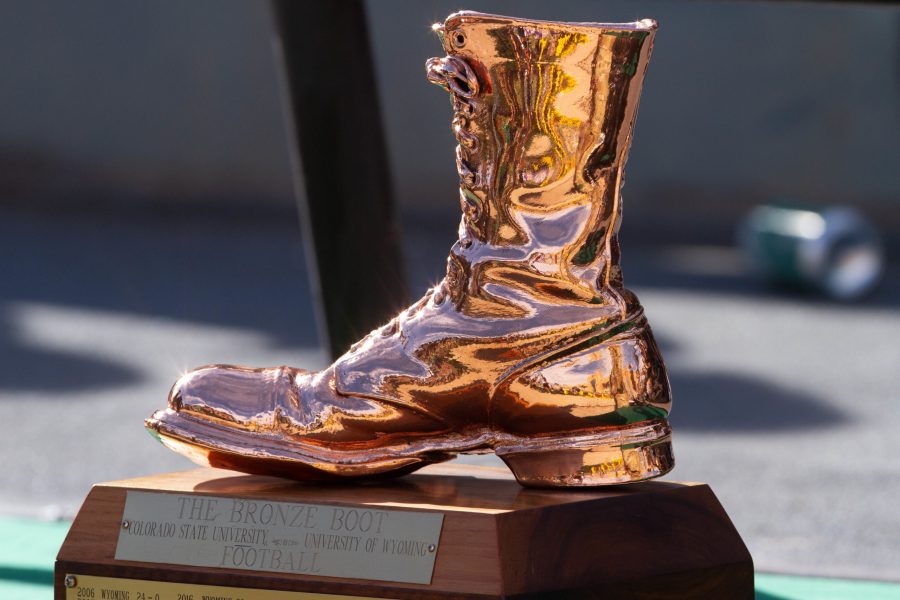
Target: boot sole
[222, 447]
[635, 453]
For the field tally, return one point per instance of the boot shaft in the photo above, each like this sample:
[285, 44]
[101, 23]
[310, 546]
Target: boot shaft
[544, 114]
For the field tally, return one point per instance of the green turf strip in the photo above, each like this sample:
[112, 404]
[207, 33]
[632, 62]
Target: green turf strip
[28, 549]
[791, 587]
[29, 545]
[13, 590]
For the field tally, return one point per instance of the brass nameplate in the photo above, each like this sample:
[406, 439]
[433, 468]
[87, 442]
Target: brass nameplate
[88, 587]
[356, 542]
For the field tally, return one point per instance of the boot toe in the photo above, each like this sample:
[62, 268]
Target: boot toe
[227, 395]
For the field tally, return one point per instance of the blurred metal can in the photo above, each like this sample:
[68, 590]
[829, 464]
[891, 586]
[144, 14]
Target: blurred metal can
[834, 251]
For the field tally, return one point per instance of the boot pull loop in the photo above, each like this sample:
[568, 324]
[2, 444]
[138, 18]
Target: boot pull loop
[454, 74]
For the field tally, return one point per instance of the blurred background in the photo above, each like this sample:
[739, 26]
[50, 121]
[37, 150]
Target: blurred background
[148, 225]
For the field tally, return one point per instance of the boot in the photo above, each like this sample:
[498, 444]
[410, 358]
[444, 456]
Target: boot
[530, 347]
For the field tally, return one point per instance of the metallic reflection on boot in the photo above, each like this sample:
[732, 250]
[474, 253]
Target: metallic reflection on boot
[531, 346]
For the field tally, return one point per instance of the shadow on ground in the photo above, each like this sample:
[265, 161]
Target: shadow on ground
[28, 368]
[240, 273]
[27, 575]
[766, 596]
[721, 401]
[722, 271]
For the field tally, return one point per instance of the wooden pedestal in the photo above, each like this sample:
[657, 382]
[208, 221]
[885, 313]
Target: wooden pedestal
[498, 540]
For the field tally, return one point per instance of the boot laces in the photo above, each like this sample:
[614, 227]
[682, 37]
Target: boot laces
[458, 77]
[454, 74]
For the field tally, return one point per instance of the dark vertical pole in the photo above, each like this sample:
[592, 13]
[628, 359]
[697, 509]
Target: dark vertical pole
[334, 112]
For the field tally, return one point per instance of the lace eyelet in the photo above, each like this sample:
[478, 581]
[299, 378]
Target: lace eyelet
[459, 39]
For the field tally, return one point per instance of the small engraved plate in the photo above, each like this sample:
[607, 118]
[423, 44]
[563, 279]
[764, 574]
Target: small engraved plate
[88, 587]
[356, 542]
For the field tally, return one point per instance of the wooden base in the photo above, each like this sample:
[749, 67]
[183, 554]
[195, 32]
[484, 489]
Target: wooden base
[499, 540]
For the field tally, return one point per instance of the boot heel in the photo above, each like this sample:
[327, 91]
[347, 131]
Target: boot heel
[592, 462]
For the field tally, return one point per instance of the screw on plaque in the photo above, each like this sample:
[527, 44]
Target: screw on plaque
[70, 581]
[432, 547]
[126, 524]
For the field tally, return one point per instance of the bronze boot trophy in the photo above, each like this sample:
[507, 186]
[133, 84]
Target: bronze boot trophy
[530, 347]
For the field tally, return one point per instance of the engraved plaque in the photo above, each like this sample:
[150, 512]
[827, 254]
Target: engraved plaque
[115, 588]
[357, 542]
